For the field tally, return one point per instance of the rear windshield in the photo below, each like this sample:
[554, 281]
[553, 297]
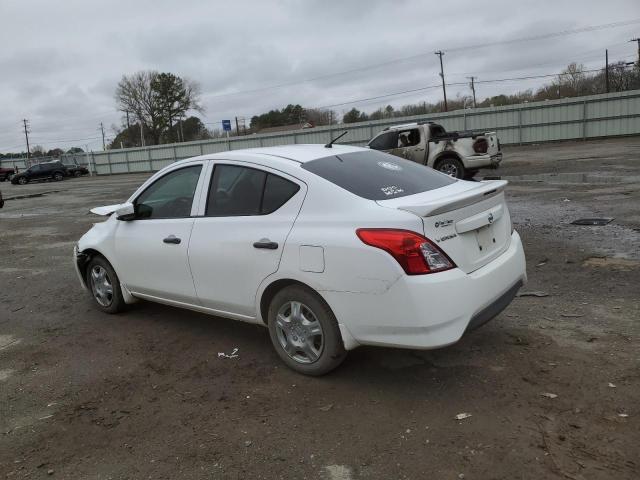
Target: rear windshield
[377, 176]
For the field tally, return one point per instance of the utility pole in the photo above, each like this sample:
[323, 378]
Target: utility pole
[181, 131]
[25, 122]
[237, 128]
[440, 53]
[637, 40]
[128, 129]
[104, 147]
[606, 70]
[473, 89]
[141, 133]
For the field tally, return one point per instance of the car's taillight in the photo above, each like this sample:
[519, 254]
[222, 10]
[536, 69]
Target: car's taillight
[481, 145]
[416, 254]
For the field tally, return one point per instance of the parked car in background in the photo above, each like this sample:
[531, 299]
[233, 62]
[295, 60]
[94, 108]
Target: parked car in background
[458, 154]
[74, 170]
[41, 171]
[328, 247]
[6, 173]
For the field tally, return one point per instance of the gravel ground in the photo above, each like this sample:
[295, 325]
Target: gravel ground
[551, 385]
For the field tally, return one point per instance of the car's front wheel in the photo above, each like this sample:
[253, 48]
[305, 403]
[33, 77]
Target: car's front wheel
[104, 285]
[23, 181]
[58, 176]
[304, 331]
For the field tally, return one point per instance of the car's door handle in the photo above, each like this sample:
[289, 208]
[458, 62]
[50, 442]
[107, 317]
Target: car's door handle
[172, 239]
[266, 243]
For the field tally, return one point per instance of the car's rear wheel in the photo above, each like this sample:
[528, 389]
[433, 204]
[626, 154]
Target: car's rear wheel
[58, 176]
[77, 173]
[104, 285]
[23, 181]
[452, 167]
[304, 331]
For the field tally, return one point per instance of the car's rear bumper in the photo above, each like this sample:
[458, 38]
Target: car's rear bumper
[431, 311]
[483, 161]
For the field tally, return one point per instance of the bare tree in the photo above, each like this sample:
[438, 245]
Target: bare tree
[156, 100]
[134, 94]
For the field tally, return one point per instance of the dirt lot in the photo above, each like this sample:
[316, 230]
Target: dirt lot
[145, 395]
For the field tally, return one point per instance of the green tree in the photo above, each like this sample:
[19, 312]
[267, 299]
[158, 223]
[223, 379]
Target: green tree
[175, 96]
[354, 115]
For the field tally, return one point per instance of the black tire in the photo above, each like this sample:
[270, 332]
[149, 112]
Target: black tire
[451, 166]
[113, 303]
[58, 176]
[77, 173]
[3, 179]
[23, 180]
[332, 352]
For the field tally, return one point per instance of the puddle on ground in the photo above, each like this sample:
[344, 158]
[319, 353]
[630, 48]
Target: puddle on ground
[576, 178]
[612, 262]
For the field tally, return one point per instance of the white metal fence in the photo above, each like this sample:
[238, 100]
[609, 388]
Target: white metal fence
[593, 116]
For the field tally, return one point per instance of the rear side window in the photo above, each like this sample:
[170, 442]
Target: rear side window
[376, 175]
[277, 191]
[242, 191]
[386, 141]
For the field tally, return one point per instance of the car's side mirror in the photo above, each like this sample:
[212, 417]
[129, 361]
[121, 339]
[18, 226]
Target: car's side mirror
[126, 212]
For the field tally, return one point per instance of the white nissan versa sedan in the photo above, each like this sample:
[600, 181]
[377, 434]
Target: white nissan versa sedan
[329, 247]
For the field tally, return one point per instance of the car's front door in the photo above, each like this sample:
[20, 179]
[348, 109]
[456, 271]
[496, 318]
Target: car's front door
[239, 240]
[151, 250]
[34, 172]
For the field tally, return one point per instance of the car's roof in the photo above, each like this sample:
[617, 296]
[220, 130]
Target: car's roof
[297, 153]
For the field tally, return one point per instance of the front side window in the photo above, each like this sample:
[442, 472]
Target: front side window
[241, 191]
[386, 141]
[409, 138]
[171, 196]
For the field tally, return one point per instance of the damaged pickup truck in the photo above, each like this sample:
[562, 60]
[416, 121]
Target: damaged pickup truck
[458, 154]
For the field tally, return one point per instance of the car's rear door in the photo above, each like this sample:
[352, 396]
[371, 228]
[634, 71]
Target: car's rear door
[151, 251]
[238, 240]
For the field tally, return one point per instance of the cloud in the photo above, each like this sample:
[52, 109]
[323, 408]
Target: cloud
[62, 79]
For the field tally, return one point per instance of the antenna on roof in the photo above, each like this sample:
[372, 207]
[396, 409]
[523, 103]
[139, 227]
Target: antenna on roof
[330, 144]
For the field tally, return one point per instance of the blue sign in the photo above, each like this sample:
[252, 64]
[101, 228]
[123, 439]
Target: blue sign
[226, 125]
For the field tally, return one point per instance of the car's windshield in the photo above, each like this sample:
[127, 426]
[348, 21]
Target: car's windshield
[377, 176]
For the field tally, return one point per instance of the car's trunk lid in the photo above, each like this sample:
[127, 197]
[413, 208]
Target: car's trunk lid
[469, 221]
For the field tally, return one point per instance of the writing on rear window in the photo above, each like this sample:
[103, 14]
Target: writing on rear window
[390, 166]
[377, 176]
[391, 190]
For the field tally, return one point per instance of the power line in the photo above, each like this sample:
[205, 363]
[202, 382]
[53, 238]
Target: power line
[590, 28]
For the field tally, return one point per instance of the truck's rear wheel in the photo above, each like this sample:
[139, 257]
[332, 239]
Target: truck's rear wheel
[451, 166]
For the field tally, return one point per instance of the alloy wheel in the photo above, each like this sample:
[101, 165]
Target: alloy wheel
[101, 286]
[299, 332]
[450, 169]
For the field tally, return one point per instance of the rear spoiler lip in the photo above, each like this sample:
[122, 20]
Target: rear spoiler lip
[485, 189]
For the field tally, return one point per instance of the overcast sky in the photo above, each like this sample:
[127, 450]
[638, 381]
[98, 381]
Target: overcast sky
[61, 61]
